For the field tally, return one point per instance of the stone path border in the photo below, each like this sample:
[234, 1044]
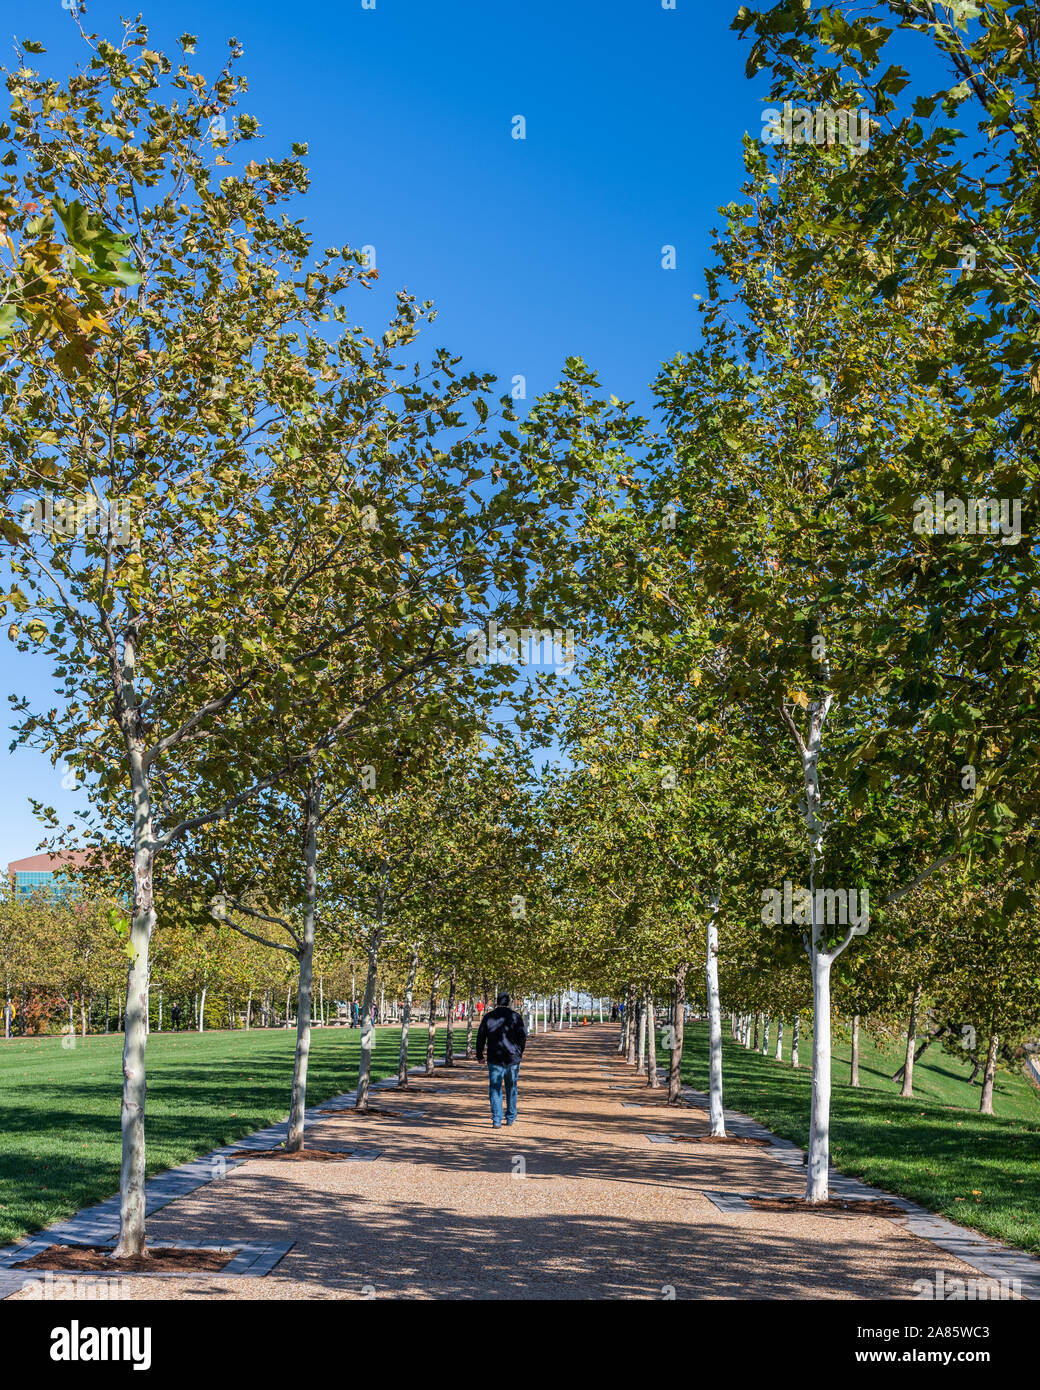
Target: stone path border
[99, 1224]
[990, 1257]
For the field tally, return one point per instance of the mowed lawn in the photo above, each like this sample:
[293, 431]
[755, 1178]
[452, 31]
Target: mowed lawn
[60, 1139]
[982, 1171]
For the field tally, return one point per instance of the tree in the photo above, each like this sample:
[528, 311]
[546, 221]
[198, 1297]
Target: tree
[270, 496]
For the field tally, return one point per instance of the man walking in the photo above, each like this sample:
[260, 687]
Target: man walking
[503, 1036]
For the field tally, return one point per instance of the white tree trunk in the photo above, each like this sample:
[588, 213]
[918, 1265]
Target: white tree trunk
[678, 1029]
[795, 1025]
[132, 1166]
[989, 1076]
[779, 1040]
[367, 1030]
[765, 1035]
[298, 1104]
[202, 1009]
[652, 1078]
[854, 1058]
[907, 1088]
[449, 1037]
[817, 1180]
[716, 1110]
[431, 1029]
[406, 1021]
[469, 1017]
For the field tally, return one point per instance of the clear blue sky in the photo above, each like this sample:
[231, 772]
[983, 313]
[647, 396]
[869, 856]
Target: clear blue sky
[532, 249]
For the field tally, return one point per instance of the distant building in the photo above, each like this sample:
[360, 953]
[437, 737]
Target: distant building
[38, 874]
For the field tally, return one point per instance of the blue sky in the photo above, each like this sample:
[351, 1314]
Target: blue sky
[533, 249]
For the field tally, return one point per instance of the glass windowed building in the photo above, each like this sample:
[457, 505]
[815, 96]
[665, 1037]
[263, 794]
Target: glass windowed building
[38, 874]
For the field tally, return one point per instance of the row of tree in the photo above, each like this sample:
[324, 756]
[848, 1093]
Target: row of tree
[802, 723]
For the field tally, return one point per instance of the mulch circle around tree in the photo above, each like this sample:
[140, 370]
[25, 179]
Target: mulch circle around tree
[160, 1260]
[719, 1139]
[853, 1206]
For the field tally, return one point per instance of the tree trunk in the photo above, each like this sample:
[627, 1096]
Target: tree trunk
[132, 1165]
[716, 1110]
[249, 1010]
[631, 1022]
[298, 1104]
[758, 1020]
[640, 1035]
[795, 1025]
[990, 1076]
[854, 1061]
[911, 1042]
[469, 1018]
[779, 1056]
[678, 1025]
[817, 1185]
[375, 940]
[652, 1078]
[449, 1037]
[406, 1021]
[765, 1035]
[897, 1075]
[202, 1009]
[431, 1031]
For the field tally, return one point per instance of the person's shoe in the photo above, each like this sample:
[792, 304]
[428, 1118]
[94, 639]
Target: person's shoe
[509, 1122]
[495, 1125]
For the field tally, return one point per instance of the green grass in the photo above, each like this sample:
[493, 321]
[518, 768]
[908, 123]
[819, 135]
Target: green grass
[982, 1171]
[60, 1141]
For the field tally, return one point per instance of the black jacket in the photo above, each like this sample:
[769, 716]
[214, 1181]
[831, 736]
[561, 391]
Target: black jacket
[503, 1035]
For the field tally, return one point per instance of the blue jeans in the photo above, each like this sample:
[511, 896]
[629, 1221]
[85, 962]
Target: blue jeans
[496, 1075]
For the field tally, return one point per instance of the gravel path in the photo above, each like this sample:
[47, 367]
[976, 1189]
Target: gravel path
[573, 1201]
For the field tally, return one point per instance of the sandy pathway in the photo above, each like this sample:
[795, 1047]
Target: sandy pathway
[571, 1202]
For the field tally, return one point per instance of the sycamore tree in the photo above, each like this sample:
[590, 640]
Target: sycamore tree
[234, 487]
[945, 195]
[787, 429]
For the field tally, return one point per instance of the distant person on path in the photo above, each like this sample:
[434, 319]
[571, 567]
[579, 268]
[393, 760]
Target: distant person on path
[175, 1014]
[354, 1014]
[503, 1036]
